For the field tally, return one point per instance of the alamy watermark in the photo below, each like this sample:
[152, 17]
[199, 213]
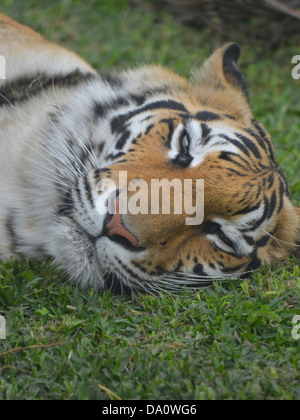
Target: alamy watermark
[2, 67]
[157, 196]
[296, 69]
[296, 328]
[2, 328]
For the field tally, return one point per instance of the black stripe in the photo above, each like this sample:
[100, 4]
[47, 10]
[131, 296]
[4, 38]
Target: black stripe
[198, 269]
[214, 228]
[258, 138]
[262, 219]
[230, 116]
[263, 241]
[114, 156]
[171, 131]
[77, 191]
[98, 172]
[85, 155]
[179, 265]
[102, 109]
[168, 104]
[247, 210]
[149, 128]
[130, 273]
[250, 144]
[235, 172]
[123, 139]
[281, 194]
[227, 156]
[80, 229]
[226, 240]
[284, 180]
[236, 143]
[118, 124]
[273, 203]
[232, 270]
[66, 206]
[24, 88]
[271, 180]
[205, 133]
[249, 240]
[141, 99]
[100, 147]
[255, 262]
[207, 116]
[249, 165]
[266, 139]
[258, 192]
[138, 99]
[209, 227]
[112, 80]
[88, 191]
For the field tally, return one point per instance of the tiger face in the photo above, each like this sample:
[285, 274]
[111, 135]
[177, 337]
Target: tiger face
[202, 130]
[141, 181]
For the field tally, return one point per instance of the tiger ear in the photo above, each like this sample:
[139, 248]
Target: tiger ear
[221, 84]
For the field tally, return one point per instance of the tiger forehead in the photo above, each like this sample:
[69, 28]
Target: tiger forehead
[169, 120]
[198, 115]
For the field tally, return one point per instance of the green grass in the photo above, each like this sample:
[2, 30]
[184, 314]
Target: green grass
[230, 341]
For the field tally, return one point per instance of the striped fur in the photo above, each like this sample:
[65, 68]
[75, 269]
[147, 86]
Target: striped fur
[64, 128]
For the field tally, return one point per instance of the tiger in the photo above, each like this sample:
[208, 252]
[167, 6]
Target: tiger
[67, 132]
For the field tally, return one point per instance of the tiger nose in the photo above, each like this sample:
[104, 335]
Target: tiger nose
[116, 229]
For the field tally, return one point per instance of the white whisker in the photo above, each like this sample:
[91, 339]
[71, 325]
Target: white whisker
[279, 241]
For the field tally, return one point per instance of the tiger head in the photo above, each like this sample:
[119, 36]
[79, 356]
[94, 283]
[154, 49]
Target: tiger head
[200, 137]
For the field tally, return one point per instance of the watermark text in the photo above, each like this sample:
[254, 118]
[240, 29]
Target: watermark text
[2, 67]
[2, 328]
[296, 69]
[296, 328]
[157, 196]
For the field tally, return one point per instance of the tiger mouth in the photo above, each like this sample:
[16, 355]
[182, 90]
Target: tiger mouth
[115, 230]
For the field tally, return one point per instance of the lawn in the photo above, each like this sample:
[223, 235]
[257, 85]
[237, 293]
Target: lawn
[230, 341]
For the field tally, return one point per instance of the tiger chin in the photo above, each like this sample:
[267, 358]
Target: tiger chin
[64, 129]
